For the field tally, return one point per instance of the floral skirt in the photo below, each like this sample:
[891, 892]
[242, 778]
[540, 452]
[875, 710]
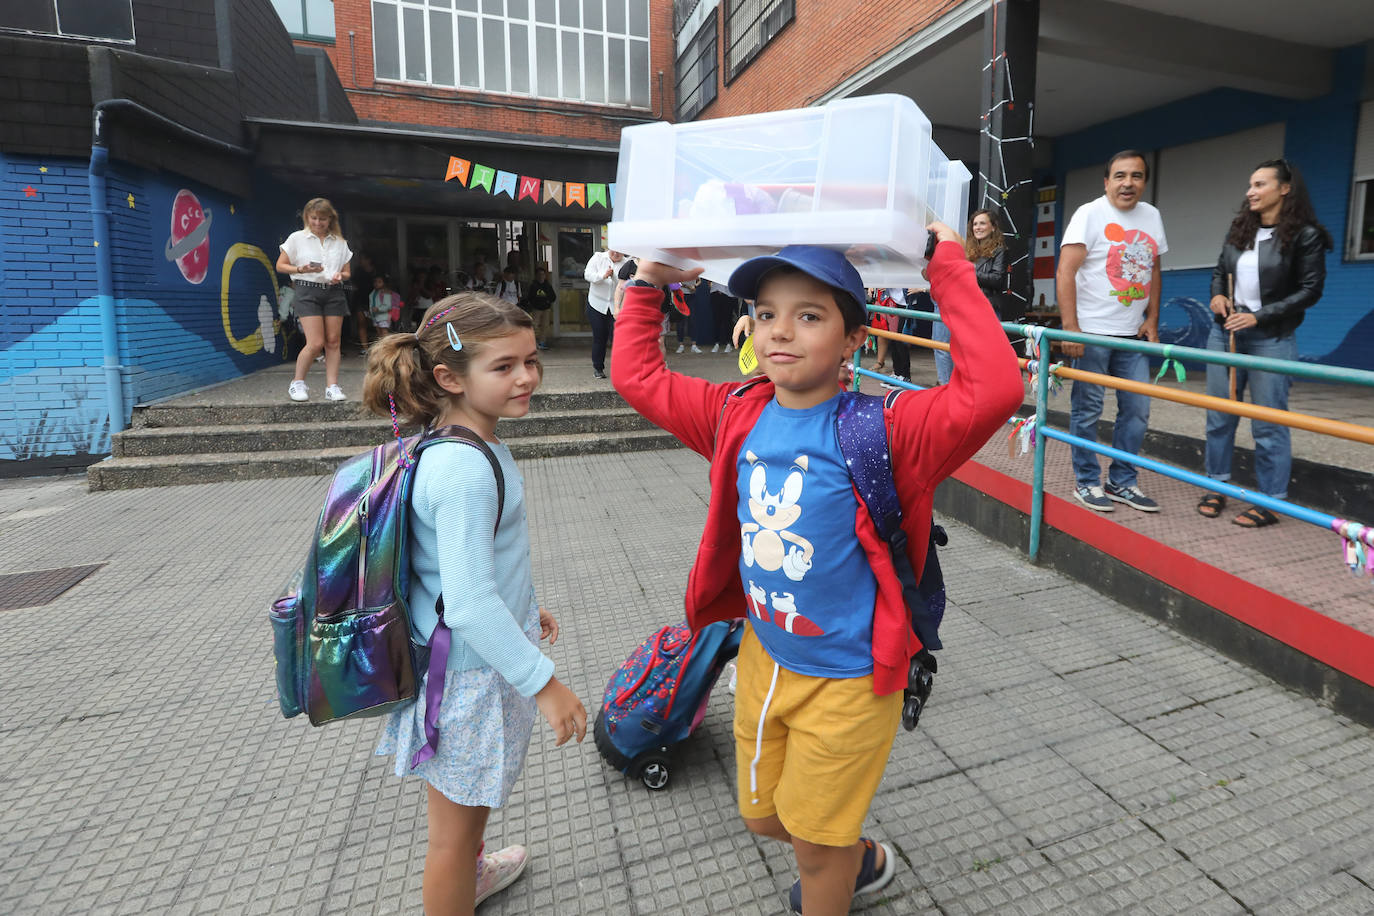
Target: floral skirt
[484, 732]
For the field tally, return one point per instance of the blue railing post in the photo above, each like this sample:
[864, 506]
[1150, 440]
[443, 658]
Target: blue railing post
[1042, 397]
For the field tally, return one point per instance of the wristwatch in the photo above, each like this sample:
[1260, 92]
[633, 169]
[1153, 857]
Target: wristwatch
[638, 282]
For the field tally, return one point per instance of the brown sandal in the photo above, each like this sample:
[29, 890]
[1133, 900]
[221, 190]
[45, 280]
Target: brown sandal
[1255, 517]
[1210, 505]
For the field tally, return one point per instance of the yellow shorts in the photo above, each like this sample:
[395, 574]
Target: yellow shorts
[812, 752]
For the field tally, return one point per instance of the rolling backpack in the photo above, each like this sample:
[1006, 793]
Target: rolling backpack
[342, 639]
[658, 696]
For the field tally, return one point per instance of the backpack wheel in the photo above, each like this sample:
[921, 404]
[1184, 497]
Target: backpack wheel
[654, 773]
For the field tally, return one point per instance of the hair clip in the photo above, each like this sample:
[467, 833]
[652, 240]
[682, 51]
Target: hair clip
[453, 340]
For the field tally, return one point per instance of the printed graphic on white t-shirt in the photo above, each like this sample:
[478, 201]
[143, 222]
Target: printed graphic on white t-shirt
[1115, 282]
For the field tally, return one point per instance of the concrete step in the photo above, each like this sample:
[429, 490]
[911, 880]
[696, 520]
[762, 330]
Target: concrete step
[355, 433]
[166, 470]
[172, 413]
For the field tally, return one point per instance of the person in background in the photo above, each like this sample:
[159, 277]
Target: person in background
[382, 305]
[899, 350]
[317, 259]
[1108, 284]
[601, 280]
[508, 290]
[362, 276]
[538, 301]
[1275, 257]
[988, 252]
[724, 310]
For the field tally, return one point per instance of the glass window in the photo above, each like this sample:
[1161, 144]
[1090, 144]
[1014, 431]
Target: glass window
[544, 12]
[615, 69]
[413, 29]
[591, 14]
[749, 25]
[302, 18]
[441, 47]
[519, 58]
[30, 17]
[567, 13]
[572, 67]
[638, 24]
[469, 6]
[518, 9]
[546, 56]
[319, 18]
[112, 19]
[1362, 220]
[594, 57]
[492, 6]
[292, 15]
[468, 59]
[696, 71]
[386, 48]
[494, 55]
[639, 74]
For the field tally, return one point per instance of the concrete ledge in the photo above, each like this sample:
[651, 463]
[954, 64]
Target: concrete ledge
[1140, 591]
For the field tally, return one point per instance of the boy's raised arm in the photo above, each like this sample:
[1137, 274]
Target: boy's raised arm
[943, 427]
[683, 405]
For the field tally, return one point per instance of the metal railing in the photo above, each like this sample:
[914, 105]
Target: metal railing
[1358, 538]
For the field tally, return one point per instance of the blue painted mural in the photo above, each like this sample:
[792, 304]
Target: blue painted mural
[195, 295]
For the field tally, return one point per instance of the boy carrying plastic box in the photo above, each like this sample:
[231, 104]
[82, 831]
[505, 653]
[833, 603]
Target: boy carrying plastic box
[824, 663]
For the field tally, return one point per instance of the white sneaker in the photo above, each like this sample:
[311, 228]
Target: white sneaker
[715, 348]
[696, 349]
[498, 870]
[679, 348]
[334, 393]
[728, 348]
[298, 391]
[320, 358]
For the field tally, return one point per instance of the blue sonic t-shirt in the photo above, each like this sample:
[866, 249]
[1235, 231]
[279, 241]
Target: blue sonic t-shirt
[808, 584]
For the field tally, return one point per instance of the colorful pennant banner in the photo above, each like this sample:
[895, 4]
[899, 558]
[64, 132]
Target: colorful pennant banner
[473, 175]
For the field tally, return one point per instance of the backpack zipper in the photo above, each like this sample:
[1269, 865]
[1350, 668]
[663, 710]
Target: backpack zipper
[362, 525]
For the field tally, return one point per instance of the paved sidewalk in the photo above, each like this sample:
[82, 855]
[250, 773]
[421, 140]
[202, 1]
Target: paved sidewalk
[1077, 757]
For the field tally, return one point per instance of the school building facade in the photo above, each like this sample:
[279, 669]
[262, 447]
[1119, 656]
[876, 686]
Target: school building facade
[1034, 95]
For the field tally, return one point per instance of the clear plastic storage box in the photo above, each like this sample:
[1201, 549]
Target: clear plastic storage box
[859, 175]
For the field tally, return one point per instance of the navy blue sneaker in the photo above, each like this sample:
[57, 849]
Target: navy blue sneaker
[1132, 497]
[1094, 498]
[870, 880]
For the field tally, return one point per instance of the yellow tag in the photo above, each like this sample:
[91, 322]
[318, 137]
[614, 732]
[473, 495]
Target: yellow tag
[748, 363]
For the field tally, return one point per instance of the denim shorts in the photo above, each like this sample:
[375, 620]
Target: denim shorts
[313, 301]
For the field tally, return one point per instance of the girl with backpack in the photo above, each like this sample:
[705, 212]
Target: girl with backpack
[472, 361]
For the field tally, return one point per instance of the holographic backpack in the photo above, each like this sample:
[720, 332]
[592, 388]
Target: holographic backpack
[342, 638]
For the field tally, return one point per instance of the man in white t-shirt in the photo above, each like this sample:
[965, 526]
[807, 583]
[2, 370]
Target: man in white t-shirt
[601, 282]
[1108, 284]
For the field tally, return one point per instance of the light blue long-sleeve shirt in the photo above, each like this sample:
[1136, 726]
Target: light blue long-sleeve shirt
[486, 582]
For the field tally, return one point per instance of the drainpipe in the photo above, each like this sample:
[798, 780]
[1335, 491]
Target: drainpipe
[104, 278]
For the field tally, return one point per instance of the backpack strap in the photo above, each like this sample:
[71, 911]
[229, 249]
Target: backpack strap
[441, 640]
[862, 432]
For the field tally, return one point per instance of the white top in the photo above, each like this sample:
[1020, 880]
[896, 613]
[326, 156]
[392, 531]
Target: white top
[600, 290]
[1247, 273]
[303, 247]
[1113, 285]
[508, 291]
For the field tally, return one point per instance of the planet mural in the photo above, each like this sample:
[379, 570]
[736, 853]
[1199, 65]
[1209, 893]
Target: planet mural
[189, 243]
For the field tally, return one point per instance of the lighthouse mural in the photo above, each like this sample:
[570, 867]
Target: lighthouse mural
[1043, 264]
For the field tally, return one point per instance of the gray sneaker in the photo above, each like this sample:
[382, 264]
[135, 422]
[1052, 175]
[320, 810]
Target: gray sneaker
[1132, 497]
[1094, 498]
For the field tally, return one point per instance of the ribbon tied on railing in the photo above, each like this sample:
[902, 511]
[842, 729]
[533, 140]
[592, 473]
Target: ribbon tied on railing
[1357, 547]
[1179, 372]
[1022, 438]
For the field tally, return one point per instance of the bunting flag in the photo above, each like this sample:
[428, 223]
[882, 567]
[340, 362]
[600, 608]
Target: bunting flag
[458, 168]
[482, 176]
[505, 184]
[495, 181]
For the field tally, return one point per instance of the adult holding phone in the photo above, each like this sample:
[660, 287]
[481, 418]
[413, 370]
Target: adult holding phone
[1274, 258]
[316, 257]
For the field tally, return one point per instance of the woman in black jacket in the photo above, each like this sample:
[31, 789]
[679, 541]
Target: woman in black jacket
[1271, 270]
[988, 252]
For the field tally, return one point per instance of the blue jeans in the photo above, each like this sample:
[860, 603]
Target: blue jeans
[944, 363]
[1273, 447]
[1132, 414]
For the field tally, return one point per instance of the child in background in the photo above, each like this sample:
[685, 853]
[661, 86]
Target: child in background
[472, 362]
[539, 302]
[824, 662]
[508, 290]
[383, 305]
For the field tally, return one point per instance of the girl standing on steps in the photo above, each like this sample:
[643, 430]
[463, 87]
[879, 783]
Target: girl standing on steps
[317, 259]
[472, 361]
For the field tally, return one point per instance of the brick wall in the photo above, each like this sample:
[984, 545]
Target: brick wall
[826, 42]
[515, 115]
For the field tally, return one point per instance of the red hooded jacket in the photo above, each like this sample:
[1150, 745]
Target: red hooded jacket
[931, 433]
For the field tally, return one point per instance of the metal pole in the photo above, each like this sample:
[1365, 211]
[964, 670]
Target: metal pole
[1042, 396]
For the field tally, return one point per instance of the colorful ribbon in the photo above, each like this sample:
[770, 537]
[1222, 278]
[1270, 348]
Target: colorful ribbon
[1179, 372]
[1022, 438]
[439, 642]
[1357, 547]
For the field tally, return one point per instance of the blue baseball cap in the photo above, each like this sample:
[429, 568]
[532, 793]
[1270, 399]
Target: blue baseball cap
[824, 264]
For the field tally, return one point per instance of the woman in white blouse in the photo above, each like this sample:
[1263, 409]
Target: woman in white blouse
[316, 258]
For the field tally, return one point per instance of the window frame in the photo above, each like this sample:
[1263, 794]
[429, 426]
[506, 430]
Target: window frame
[59, 33]
[307, 35]
[532, 26]
[729, 74]
[1361, 202]
[698, 53]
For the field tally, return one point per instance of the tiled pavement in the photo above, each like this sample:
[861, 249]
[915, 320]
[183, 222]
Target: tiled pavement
[1076, 757]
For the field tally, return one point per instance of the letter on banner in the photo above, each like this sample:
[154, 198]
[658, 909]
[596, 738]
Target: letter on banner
[529, 187]
[481, 177]
[458, 168]
[505, 184]
[596, 194]
[577, 193]
[553, 190]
